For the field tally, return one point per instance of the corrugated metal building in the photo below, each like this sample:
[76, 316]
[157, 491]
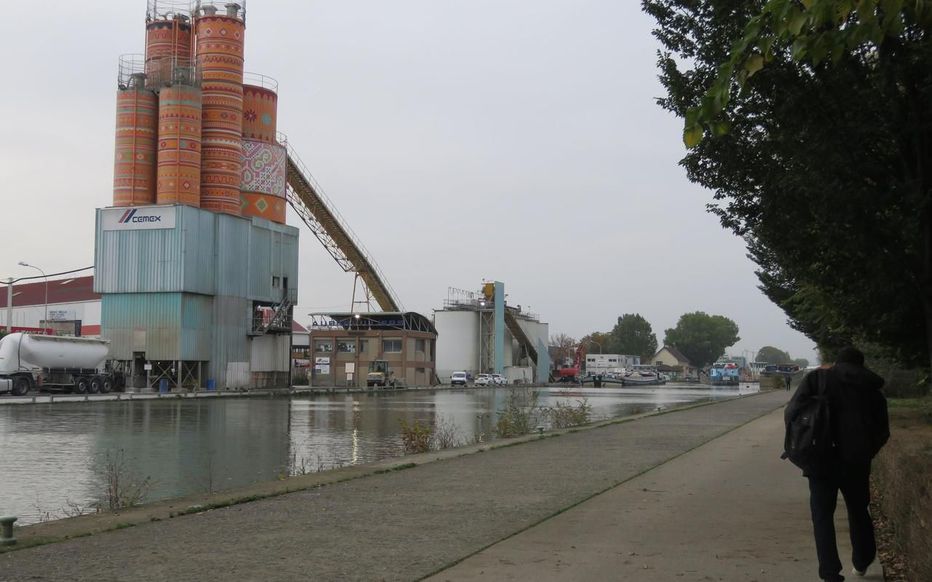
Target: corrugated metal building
[196, 297]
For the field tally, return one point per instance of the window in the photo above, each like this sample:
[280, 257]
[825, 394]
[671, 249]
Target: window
[323, 346]
[346, 346]
[420, 345]
[363, 346]
[275, 282]
[391, 346]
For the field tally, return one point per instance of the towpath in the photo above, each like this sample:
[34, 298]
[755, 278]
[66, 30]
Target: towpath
[695, 494]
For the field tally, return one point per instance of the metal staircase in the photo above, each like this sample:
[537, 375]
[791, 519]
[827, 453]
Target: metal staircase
[316, 211]
[274, 319]
[518, 333]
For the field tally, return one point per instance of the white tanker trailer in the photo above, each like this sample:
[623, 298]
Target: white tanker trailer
[54, 363]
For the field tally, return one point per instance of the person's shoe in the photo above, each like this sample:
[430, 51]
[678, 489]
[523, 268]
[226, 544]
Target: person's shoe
[859, 573]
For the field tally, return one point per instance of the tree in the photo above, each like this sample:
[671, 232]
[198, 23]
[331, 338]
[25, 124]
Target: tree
[633, 335]
[701, 337]
[772, 355]
[562, 347]
[811, 122]
[597, 342]
[801, 362]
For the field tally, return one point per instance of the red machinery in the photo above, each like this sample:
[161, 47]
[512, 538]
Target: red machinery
[572, 373]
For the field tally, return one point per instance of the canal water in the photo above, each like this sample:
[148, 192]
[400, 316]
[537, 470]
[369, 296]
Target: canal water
[55, 459]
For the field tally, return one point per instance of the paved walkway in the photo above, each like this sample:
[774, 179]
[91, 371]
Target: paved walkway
[666, 497]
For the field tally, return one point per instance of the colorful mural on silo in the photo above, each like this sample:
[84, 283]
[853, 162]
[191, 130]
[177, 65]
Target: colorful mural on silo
[220, 45]
[264, 171]
[134, 168]
[260, 108]
[179, 152]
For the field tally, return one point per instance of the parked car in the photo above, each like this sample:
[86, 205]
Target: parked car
[499, 380]
[458, 379]
[483, 380]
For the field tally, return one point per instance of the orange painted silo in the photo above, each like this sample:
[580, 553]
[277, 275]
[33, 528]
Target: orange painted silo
[264, 174]
[179, 148]
[260, 110]
[135, 152]
[168, 42]
[221, 146]
[220, 41]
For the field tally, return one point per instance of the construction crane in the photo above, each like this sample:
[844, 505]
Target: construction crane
[311, 204]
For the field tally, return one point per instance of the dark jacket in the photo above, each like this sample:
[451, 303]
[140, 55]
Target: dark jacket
[857, 412]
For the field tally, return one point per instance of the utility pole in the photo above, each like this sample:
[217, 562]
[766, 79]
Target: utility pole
[9, 305]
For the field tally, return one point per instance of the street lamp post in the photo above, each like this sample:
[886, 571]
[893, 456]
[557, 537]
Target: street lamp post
[596, 343]
[25, 264]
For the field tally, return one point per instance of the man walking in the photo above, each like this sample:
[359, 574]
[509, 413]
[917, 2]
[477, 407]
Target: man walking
[857, 415]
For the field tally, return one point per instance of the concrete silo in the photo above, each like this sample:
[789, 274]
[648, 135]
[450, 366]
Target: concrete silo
[220, 34]
[134, 166]
[264, 169]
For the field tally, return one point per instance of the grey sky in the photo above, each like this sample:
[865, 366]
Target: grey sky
[461, 139]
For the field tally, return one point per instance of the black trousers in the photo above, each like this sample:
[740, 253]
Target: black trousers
[854, 484]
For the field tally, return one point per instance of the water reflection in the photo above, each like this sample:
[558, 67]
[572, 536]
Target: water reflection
[55, 455]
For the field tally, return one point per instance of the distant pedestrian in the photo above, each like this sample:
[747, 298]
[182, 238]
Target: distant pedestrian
[859, 427]
[788, 380]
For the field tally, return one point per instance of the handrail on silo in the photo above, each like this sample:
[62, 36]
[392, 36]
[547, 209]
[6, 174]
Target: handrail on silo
[258, 80]
[168, 9]
[221, 7]
[132, 68]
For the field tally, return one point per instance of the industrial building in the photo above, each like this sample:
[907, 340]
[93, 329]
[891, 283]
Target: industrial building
[343, 347]
[66, 306]
[196, 269]
[480, 333]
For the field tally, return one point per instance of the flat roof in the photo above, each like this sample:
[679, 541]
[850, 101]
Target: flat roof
[379, 320]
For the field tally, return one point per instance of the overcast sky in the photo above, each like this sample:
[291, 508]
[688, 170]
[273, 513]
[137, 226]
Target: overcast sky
[461, 139]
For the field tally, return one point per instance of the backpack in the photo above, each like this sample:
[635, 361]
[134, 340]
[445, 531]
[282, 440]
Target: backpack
[808, 443]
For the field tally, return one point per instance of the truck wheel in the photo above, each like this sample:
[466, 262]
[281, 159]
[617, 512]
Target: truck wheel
[106, 384]
[81, 385]
[21, 386]
[95, 385]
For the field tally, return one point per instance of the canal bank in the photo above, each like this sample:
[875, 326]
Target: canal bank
[407, 524]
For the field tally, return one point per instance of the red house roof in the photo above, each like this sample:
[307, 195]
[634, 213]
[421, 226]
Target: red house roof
[69, 290]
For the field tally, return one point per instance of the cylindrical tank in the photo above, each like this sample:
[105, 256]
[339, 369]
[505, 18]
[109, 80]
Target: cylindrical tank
[168, 44]
[264, 174]
[221, 146]
[49, 351]
[220, 41]
[260, 111]
[179, 148]
[134, 166]
[220, 45]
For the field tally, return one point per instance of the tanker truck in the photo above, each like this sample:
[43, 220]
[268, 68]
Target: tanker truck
[51, 362]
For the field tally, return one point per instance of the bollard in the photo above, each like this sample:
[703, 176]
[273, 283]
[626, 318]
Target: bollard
[6, 531]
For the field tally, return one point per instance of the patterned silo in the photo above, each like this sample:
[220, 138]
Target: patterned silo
[260, 108]
[179, 149]
[134, 168]
[264, 171]
[220, 42]
[168, 40]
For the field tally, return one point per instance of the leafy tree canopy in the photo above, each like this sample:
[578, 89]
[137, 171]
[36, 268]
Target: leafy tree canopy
[633, 335]
[811, 121]
[801, 362]
[701, 337]
[562, 347]
[772, 355]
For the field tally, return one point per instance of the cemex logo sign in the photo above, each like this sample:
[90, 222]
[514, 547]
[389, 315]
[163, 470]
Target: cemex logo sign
[130, 216]
[138, 218]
